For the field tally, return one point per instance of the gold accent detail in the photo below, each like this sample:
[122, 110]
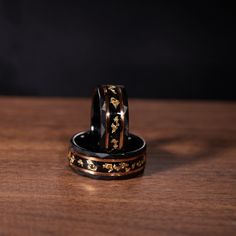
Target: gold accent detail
[112, 89]
[72, 159]
[91, 165]
[114, 102]
[80, 162]
[124, 165]
[116, 167]
[108, 166]
[116, 119]
[140, 162]
[120, 167]
[115, 125]
[115, 143]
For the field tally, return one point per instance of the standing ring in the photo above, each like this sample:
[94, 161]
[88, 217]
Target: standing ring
[110, 118]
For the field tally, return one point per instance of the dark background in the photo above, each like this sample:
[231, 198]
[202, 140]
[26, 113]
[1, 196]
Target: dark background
[161, 50]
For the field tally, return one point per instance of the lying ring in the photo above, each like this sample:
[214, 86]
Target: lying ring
[110, 118]
[85, 158]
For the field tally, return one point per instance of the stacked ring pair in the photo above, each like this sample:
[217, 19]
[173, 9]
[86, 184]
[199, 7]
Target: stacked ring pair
[108, 150]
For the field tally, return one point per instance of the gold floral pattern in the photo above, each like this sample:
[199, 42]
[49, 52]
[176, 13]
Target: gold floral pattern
[114, 102]
[115, 124]
[140, 163]
[72, 159]
[91, 165]
[117, 167]
[112, 89]
[115, 143]
[109, 167]
[80, 162]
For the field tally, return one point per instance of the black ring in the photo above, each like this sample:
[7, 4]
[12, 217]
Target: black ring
[110, 118]
[85, 158]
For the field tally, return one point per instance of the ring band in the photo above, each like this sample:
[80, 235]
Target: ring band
[85, 158]
[108, 151]
[110, 118]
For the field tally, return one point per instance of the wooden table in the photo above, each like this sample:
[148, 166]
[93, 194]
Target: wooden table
[189, 186]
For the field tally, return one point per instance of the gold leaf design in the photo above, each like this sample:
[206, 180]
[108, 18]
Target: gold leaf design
[116, 119]
[91, 165]
[124, 165]
[114, 102]
[115, 143]
[80, 162]
[108, 166]
[139, 163]
[117, 167]
[72, 159]
[112, 89]
[115, 125]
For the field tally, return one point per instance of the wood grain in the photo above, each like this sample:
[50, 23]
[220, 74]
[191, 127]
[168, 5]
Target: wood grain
[189, 186]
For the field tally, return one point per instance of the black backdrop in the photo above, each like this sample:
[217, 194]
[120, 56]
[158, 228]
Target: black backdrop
[161, 50]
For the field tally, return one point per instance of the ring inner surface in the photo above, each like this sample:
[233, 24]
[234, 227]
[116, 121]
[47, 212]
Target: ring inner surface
[85, 143]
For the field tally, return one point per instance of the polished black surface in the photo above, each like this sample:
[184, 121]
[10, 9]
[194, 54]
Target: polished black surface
[84, 143]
